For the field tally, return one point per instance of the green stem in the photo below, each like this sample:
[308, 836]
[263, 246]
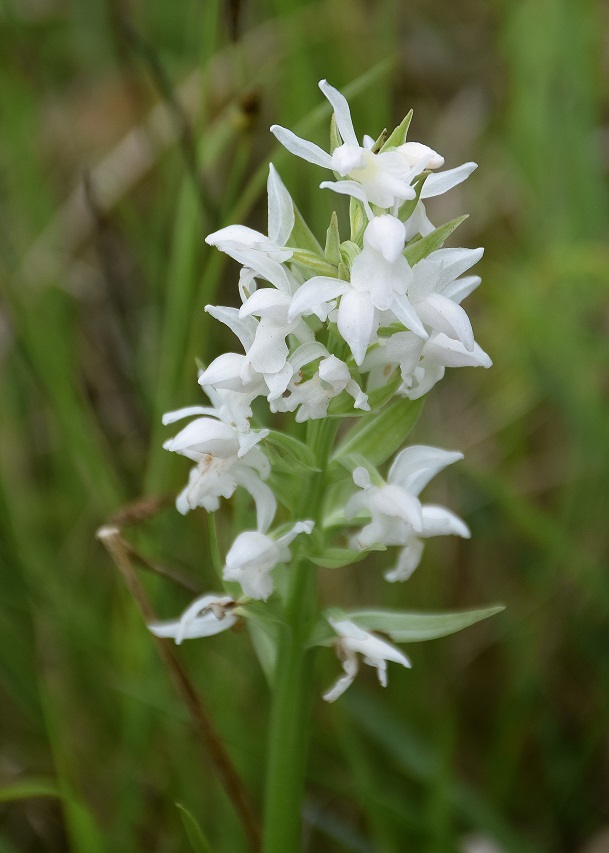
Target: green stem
[291, 702]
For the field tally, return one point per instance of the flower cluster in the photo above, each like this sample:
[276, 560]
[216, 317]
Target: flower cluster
[324, 332]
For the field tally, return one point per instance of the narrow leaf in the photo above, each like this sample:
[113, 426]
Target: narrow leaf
[346, 464]
[194, 833]
[398, 137]
[419, 249]
[414, 627]
[332, 250]
[349, 252]
[336, 558]
[302, 237]
[312, 262]
[29, 788]
[380, 434]
[287, 454]
[358, 220]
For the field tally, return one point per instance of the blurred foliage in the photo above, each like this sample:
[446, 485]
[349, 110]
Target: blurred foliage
[127, 132]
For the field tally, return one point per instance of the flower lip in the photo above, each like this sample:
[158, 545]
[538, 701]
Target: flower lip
[387, 235]
[346, 158]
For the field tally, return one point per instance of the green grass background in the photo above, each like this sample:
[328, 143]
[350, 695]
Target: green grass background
[161, 111]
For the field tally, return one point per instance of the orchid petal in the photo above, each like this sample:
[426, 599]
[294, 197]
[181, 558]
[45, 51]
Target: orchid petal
[357, 322]
[446, 316]
[266, 504]
[301, 147]
[415, 466]
[280, 207]
[350, 188]
[314, 292]
[243, 328]
[443, 181]
[342, 113]
[438, 521]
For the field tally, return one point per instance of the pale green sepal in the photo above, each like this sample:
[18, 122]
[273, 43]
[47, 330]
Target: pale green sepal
[312, 262]
[349, 252]
[343, 272]
[415, 627]
[349, 462]
[302, 237]
[332, 250]
[379, 435]
[380, 142]
[358, 220]
[398, 137]
[287, 454]
[194, 833]
[423, 247]
[337, 558]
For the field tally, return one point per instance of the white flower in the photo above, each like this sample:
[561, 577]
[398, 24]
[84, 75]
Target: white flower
[269, 350]
[253, 556]
[314, 395]
[385, 178]
[210, 614]
[380, 278]
[422, 363]
[437, 521]
[435, 292]
[246, 245]
[416, 153]
[352, 641]
[226, 457]
[395, 510]
[442, 182]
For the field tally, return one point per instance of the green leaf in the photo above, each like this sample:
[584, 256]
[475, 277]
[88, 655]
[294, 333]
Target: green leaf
[336, 558]
[348, 462]
[358, 220]
[408, 208]
[349, 252]
[194, 833]
[332, 250]
[419, 249]
[287, 488]
[312, 262]
[378, 435]
[265, 640]
[398, 137]
[287, 454]
[302, 237]
[414, 627]
[380, 396]
[29, 788]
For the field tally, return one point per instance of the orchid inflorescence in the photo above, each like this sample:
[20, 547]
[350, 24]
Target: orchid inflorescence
[360, 329]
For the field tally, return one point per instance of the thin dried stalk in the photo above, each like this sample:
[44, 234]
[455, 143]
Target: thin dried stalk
[120, 551]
